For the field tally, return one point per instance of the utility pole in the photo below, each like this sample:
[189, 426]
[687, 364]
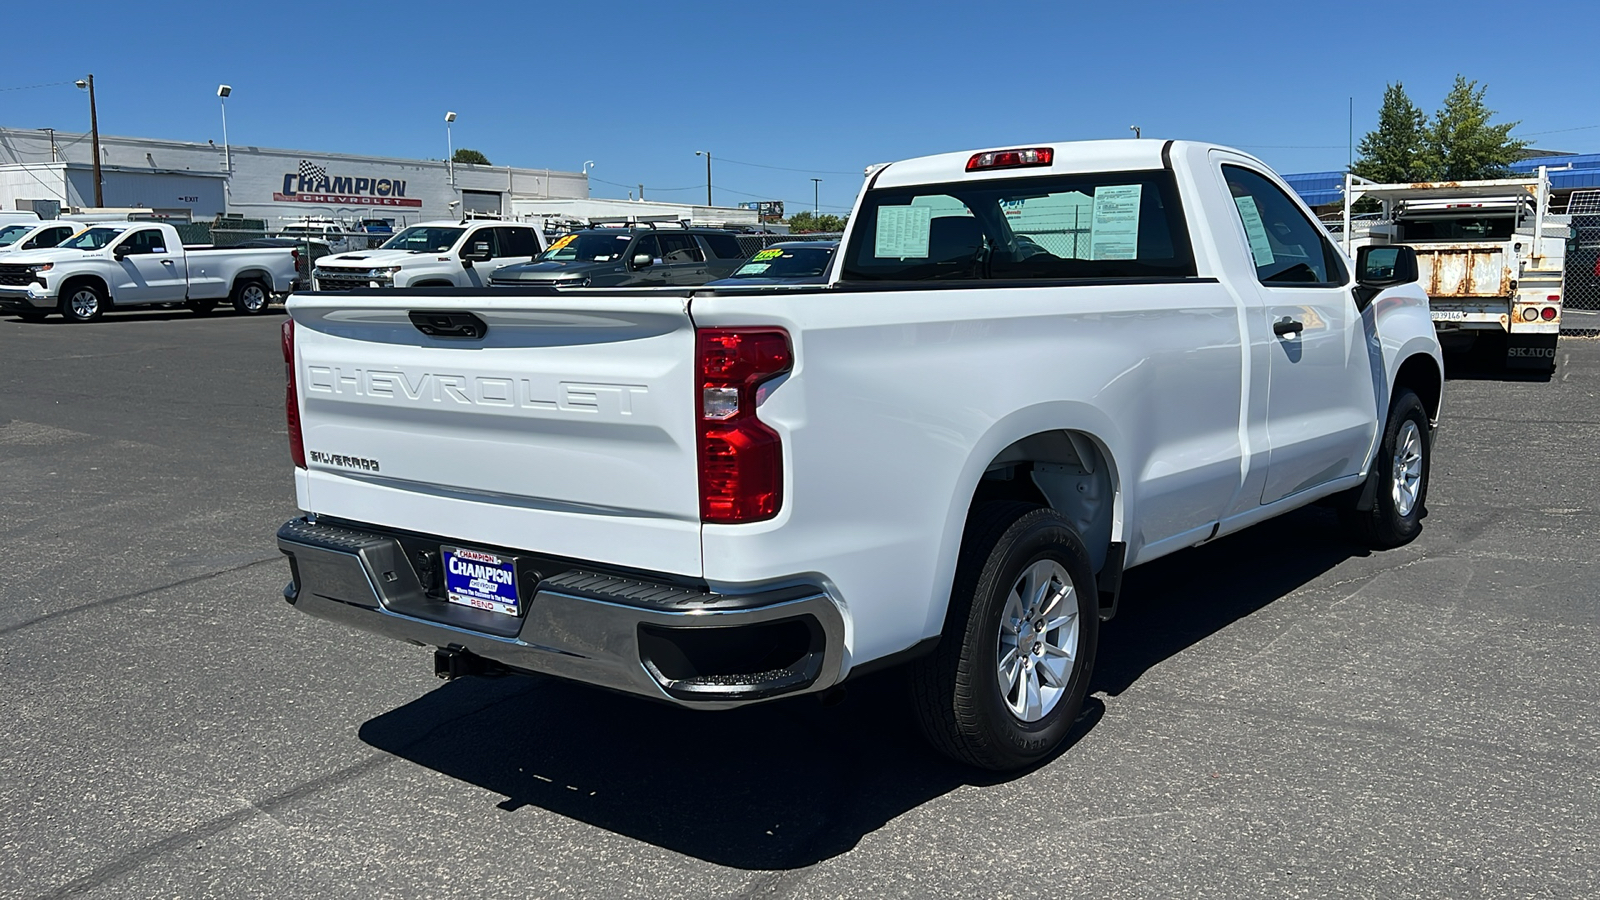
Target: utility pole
[94, 131]
[707, 155]
[816, 188]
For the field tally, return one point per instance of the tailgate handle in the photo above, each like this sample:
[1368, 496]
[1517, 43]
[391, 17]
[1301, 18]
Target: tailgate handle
[463, 325]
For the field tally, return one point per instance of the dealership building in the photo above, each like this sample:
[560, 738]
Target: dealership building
[49, 171]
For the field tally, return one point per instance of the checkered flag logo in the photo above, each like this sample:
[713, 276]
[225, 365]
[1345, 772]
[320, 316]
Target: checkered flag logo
[311, 172]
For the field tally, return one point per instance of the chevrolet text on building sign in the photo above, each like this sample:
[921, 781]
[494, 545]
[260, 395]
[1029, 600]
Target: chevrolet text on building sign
[313, 184]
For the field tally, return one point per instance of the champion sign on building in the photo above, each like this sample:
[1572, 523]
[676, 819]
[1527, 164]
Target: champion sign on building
[313, 184]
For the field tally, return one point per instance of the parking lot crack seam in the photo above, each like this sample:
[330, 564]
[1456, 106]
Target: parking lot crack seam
[268, 807]
[108, 601]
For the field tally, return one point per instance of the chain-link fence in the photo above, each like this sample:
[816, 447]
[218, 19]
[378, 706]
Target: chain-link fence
[1581, 299]
[751, 244]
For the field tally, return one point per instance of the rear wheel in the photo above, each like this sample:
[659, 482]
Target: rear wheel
[1009, 677]
[251, 297]
[83, 303]
[1401, 469]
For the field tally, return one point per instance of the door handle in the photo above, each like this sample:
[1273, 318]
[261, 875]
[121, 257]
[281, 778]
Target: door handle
[166, 262]
[1286, 326]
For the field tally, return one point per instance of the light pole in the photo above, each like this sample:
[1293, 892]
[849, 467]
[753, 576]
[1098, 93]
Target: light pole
[1135, 130]
[223, 90]
[816, 207]
[450, 147]
[87, 83]
[587, 165]
[707, 155]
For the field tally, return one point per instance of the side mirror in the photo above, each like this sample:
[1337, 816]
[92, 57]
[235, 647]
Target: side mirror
[478, 252]
[1386, 266]
[119, 252]
[641, 260]
[1383, 266]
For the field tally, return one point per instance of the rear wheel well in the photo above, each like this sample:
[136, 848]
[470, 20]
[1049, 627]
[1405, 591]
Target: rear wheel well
[249, 275]
[1420, 374]
[1067, 471]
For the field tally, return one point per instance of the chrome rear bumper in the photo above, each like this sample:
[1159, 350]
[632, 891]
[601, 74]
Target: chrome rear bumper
[688, 646]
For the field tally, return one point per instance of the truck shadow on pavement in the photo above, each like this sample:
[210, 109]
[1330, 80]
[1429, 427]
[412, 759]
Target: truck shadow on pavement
[787, 784]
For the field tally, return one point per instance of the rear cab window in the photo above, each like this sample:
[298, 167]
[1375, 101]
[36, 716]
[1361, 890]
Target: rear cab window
[1034, 228]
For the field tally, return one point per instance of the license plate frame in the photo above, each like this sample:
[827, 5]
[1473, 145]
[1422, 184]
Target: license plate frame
[473, 578]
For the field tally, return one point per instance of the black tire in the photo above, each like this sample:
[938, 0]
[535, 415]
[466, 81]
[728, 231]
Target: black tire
[76, 303]
[200, 307]
[961, 704]
[251, 298]
[1392, 522]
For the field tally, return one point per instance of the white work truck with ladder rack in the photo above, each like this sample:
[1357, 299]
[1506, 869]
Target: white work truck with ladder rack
[1489, 254]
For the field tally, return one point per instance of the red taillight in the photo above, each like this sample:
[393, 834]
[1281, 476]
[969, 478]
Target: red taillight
[1011, 159]
[291, 402]
[1549, 313]
[741, 459]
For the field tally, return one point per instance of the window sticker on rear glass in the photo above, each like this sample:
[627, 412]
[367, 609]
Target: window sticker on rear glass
[1115, 233]
[902, 232]
[1256, 230]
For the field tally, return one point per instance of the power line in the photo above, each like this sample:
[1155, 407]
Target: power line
[737, 162]
[29, 87]
[1561, 130]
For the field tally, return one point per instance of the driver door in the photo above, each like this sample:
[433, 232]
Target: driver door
[149, 271]
[1320, 400]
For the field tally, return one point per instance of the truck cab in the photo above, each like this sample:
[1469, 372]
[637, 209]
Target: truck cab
[433, 254]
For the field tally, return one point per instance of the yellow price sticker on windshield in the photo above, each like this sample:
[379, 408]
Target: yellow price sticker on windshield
[766, 255]
[563, 242]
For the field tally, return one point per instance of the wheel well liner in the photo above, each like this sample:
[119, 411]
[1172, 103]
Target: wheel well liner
[1421, 374]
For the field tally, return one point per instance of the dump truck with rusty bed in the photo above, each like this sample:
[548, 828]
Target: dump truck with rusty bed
[1489, 254]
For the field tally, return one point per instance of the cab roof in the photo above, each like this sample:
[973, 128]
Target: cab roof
[1070, 158]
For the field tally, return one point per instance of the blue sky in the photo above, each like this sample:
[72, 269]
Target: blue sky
[811, 89]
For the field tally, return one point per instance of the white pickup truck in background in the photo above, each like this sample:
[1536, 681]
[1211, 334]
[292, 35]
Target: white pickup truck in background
[125, 264]
[35, 235]
[1031, 369]
[434, 254]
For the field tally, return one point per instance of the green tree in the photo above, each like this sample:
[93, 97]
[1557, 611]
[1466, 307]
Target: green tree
[1461, 143]
[473, 157]
[806, 223]
[1395, 152]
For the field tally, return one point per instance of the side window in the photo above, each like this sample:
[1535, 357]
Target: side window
[725, 246]
[518, 242]
[646, 244]
[144, 241]
[59, 235]
[484, 237]
[1286, 247]
[680, 248]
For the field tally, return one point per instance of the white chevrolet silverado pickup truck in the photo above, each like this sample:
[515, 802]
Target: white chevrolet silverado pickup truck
[1029, 370]
[139, 264]
[434, 254]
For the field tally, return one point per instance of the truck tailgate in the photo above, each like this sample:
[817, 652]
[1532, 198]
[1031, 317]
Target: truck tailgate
[567, 428]
[1464, 270]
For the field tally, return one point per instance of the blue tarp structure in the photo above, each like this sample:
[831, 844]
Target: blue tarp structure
[1319, 188]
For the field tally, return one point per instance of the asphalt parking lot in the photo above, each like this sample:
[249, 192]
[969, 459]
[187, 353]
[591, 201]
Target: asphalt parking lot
[1275, 715]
